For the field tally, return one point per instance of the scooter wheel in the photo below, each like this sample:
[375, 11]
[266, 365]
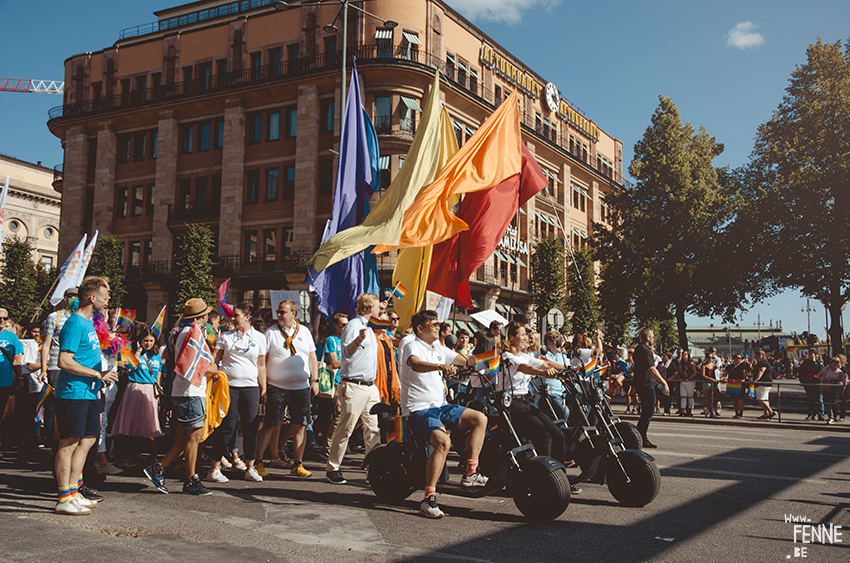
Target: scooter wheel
[388, 479]
[539, 493]
[630, 435]
[643, 483]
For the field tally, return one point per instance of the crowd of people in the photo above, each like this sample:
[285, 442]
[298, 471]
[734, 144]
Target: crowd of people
[242, 395]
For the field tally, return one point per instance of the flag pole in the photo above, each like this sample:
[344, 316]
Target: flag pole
[49, 291]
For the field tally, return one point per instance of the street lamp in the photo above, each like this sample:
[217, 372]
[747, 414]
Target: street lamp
[808, 310]
[282, 6]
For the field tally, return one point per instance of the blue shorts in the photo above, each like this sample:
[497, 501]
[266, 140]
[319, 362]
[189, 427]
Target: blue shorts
[424, 422]
[298, 403]
[77, 418]
[190, 411]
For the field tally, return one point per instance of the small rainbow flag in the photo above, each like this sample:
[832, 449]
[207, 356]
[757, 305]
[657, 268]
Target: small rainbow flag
[378, 324]
[226, 309]
[156, 327]
[39, 409]
[489, 361]
[129, 358]
[399, 291]
[399, 435]
[126, 318]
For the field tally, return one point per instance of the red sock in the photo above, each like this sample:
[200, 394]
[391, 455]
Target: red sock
[471, 466]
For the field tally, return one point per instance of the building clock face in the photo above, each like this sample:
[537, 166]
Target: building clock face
[553, 97]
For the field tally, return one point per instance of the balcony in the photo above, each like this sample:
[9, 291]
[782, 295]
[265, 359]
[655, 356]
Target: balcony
[193, 211]
[384, 125]
[228, 265]
[58, 176]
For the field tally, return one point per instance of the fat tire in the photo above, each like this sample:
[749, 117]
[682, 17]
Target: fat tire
[387, 478]
[631, 437]
[550, 492]
[645, 479]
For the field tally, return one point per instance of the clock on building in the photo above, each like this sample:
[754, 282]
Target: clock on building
[553, 97]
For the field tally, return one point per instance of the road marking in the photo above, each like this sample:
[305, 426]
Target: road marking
[678, 454]
[747, 476]
[338, 527]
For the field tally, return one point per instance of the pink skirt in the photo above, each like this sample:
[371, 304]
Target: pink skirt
[138, 413]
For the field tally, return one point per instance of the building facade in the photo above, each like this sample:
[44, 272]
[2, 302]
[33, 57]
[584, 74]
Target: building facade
[228, 114]
[32, 207]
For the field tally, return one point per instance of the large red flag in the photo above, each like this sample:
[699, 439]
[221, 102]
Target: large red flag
[488, 214]
[194, 356]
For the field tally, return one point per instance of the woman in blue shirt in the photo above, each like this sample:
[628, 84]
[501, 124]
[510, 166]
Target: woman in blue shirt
[138, 413]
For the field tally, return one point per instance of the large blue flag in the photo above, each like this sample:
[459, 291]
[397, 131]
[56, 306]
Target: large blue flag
[357, 179]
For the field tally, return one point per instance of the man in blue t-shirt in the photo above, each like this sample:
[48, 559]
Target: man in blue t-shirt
[77, 388]
[11, 354]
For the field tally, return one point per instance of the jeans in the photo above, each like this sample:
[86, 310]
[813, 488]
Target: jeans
[647, 408]
[244, 409]
[813, 396]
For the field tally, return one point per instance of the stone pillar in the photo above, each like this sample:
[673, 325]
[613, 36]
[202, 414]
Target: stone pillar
[490, 298]
[232, 178]
[104, 178]
[157, 298]
[165, 188]
[305, 233]
[75, 173]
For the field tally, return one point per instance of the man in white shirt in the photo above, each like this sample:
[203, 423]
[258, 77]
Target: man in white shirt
[424, 364]
[292, 373]
[357, 391]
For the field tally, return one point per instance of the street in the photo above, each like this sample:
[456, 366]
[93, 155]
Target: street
[725, 495]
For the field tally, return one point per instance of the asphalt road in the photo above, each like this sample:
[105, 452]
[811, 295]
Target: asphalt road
[725, 495]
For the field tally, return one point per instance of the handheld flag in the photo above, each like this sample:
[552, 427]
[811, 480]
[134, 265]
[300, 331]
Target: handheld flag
[399, 291]
[156, 327]
[194, 356]
[39, 409]
[129, 359]
[126, 318]
[68, 272]
[3, 202]
[399, 433]
[226, 309]
[489, 361]
[84, 264]
[379, 324]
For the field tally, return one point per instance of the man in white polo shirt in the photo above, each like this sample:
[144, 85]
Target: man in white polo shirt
[293, 378]
[424, 364]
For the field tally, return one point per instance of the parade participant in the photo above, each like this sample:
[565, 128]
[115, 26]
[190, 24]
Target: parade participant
[50, 352]
[189, 405]
[763, 378]
[556, 389]
[833, 380]
[710, 393]
[357, 391]
[138, 412]
[687, 374]
[293, 378]
[387, 375]
[808, 376]
[333, 359]
[77, 387]
[424, 365]
[737, 373]
[11, 375]
[27, 398]
[241, 355]
[464, 346]
[646, 375]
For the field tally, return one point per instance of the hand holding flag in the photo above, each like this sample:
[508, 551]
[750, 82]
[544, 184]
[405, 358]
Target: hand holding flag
[379, 324]
[399, 291]
[194, 356]
[156, 327]
[489, 361]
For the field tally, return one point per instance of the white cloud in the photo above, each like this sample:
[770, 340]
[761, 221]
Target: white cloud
[743, 36]
[503, 11]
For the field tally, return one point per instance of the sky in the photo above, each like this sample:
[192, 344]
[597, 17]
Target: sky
[725, 64]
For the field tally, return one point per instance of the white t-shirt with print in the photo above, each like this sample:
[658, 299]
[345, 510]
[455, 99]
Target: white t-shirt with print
[419, 391]
[241, 351]
[513, 380]
[283, 370]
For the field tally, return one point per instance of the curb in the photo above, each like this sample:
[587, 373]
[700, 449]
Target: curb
[841, 427]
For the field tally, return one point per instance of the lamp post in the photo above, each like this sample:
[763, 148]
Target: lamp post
[808, 310]
[282, 6]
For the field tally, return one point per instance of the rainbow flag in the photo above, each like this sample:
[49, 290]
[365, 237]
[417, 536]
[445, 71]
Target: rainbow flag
[126, 318]
[489, 361]
[399, 435]
[129, 358]
[39, 409]
[378, 324]
[156, 327]
[226, 309]
[399, 291]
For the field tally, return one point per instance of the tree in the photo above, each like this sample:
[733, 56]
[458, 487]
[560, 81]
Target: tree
[547, 276]
[581, 299]
[18, 292]
[615, 305]
[799, 179]
[194, 262]
[668, 235]
[107, 262]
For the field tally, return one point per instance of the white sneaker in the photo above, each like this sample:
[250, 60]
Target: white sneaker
[216, 476]
[474, 480]
[108, 469]
[252, 475]
[71, 508]
[84, 502]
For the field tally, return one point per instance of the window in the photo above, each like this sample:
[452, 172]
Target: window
[201, 189]
[293, 53]
[205, 133]
[461, 72]
[271, 184]
[221, 70]
[135, 253]
[187, 139]
[255, 128]
[256, 66]
[269, 243]
[252, 191]
[274, 126]
[150, 204]
[250, 246]
[205, 74]
[384, 38]
[286, 239]
[473, 80]
[154, 138]
[450, 66]
[187, 77]
[409, 45]
[459, 133]
[328, 116]
[497, 96]
[141, 86]
[383, 111]
[288, 182]
[274, 62]
[47, 261]
[184, 192]
[148, 251]
[120, 202]
[330, 50]
[123, 149]
[219, 133]
[291, 123]
[138, 201]
[140, 145]
[407, 120]
[326, 177]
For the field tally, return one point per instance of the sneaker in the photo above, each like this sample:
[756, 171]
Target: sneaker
[648, 444]
[574, 490]
[280, 464]
[253, 475]
[771, 415]
[474, 480]
[84, 502]
[193, 486]
[89, 494]
[336, 478]
[240, 465]
[71, 508]
[259, 470]
[299, 471]
[108, 469]
[124, 464]
[225, 464]
[831, 421]
[155, 474]
[429, 509]
[738, 415]
[216, 476]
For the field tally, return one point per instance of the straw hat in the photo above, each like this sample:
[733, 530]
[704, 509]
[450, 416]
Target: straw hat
[195, 308]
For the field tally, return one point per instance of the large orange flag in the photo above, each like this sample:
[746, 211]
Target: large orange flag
[488, 157]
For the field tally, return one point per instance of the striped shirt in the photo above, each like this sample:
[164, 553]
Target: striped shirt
[52, 327]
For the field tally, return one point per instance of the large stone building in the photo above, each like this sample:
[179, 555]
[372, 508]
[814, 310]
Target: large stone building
[227, 114]
[32, 207]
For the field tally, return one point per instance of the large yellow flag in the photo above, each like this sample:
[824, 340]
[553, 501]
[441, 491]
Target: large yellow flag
[492, 154]
[414, 264]
[383, 223]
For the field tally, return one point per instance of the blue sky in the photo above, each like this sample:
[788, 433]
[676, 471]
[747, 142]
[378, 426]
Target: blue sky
[725, 64]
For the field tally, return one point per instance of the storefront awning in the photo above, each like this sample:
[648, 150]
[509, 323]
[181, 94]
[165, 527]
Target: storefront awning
[384, 163]
[383, 34]
[414, 40]
[410, 103]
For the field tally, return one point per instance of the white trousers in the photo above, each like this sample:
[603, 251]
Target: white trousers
[355, 401]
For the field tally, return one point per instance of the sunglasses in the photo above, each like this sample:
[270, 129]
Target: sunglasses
[394, 318]
[4, 318]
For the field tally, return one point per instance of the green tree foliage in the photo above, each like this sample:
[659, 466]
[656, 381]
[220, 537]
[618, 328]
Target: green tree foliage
[107, 262]
[615, 305]
[799, 181]
[669, 233]
[194, 262]
[581, 299]
[18, 291]
[547, 276]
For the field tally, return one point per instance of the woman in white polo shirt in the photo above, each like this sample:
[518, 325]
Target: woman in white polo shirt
[241, 354]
